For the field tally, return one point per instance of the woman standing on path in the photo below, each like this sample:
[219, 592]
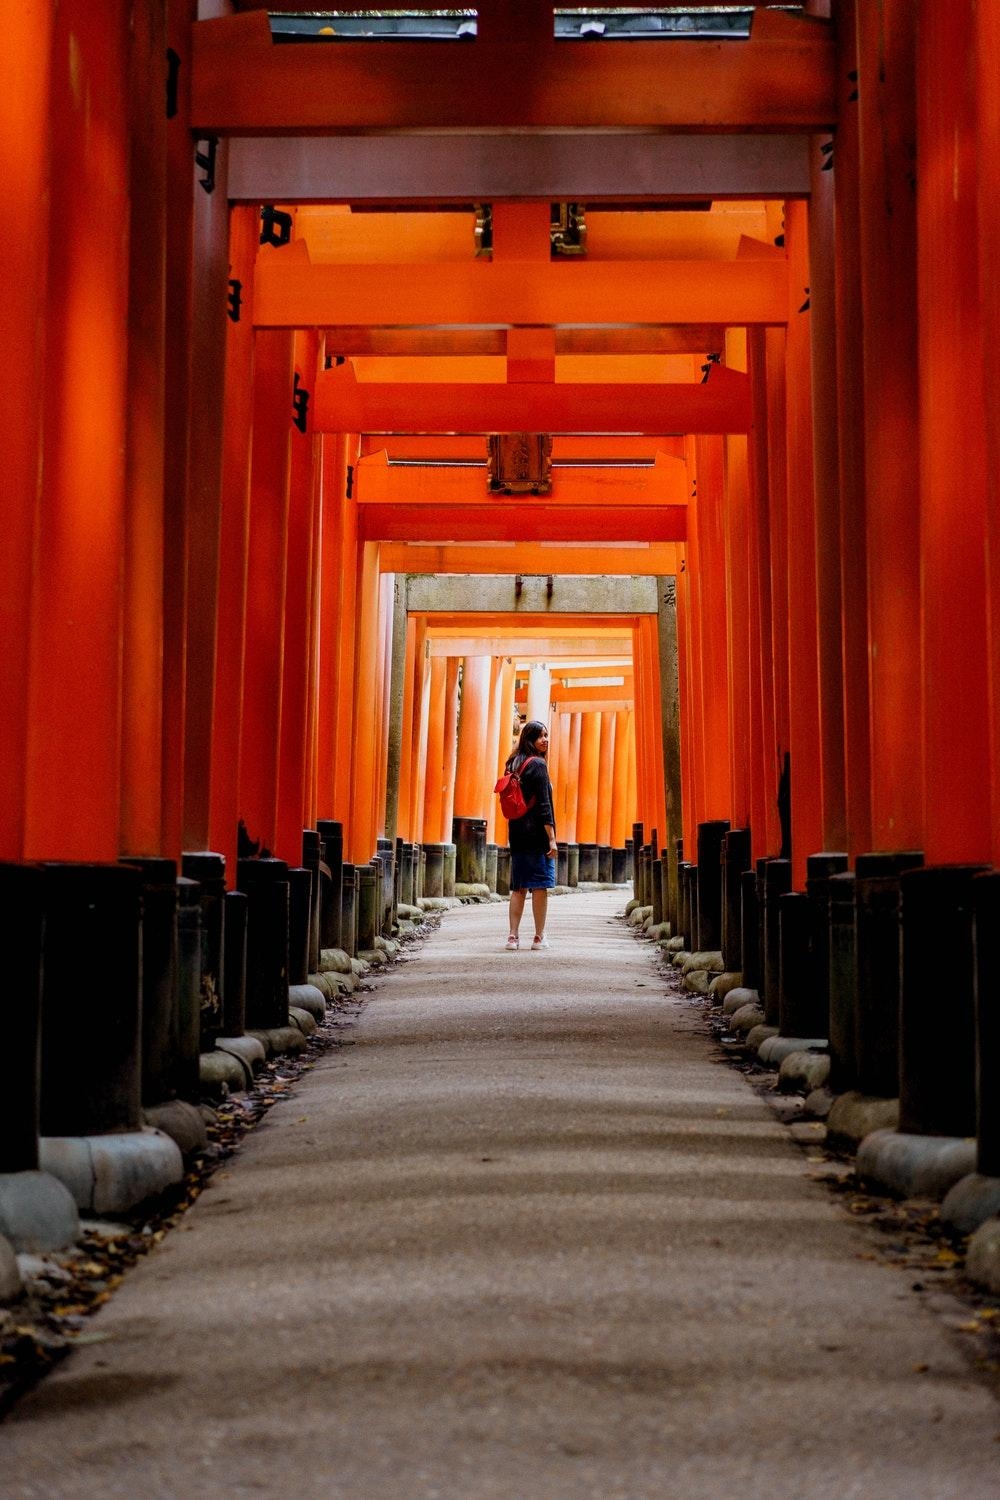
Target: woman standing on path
[532, 838]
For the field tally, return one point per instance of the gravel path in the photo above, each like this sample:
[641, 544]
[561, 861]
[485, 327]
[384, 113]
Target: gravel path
[525, 1238]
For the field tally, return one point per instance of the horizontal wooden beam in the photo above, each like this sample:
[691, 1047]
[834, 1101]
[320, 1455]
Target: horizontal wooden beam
[474, 168]
[523, 599]
[291, 292]
[533, 522]
[721, 405]
[782, 79]
[663, 483]
[442, 343]
[542, 648]
[651, 559]
[592, 448]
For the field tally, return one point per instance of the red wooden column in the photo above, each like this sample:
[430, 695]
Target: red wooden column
[762, 472]
[988, 95]
[711, 594]
[851, 440]
[73, 766]
[420, 727]
[803, 674]
[952, 442]
[433, 823]
[605, 778]
[573, 778]
[234, 539]
[738, 606]
[296, 683]
[450, 744]
[887, 124]
[24, 169]
[362, 834]
[587, 777]
[686, 695]
[775, 345]
[266, 559]
[622, 811]
[473, 723]
[405, 813]
[142, 617]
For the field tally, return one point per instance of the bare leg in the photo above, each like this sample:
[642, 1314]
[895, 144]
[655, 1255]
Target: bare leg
[539, 907]
[516, 911]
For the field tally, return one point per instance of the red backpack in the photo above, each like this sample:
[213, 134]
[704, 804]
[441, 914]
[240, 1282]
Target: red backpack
[512, 803]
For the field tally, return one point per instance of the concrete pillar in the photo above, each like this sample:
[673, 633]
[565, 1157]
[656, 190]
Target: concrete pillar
[187, 991]
[843, 981]
[539, 693]
[735, 861]
[802, 1010]
[331, 834]
[265, 883]
[234, 974]
[820, 870]
[986, 915]
[750, 965]
[710, 837]
[312, 852]
[299, 904]
[777, 882]
[209, 870]
[21, 916]
[349, 911]
[879, 968]
[367, 877]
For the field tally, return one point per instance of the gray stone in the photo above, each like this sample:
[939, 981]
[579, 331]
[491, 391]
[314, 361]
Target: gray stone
[739, 996]
[373, 956]
[674, 945]
[221, 1073]
[818, 1104]
[359, 968]
[182, 1122]
[247, 1049]
[303, 1019]
[476, 890]
[658, 931]
[704, 959]
[680, 958]
[746, 1018]
[801, 1072]
[284, 1039]
[630, 906]
[696, 981]
[914, 1166]
[334, 961]
[757, 1035]
[410, 913]
[982, 1262]
[853, 1116]
[777, 1048]
[112, 1173]
[972, 1201]
[10, 1274]
[723, 984]
[436, 903]
[638, 915]
[37, 1212]
[308, 997]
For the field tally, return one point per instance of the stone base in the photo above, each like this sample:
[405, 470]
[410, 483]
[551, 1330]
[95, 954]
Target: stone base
[409, 913]
[280, 1039]
[303, 1019]
[802, 1072]
[746, 1019]
[475, 890]
[182, 1122]
[777, 1048]
[246, 1050]
[37, 1212]
[723, 984]
[972, 1201]
[308, 997]
[220, 1073]
[705, 959]
[914, 1166]
[757, 1035]
[982, 1264]
[739, 996]
[818, 1104]
[696, 981]
[334, 961]
[11, 1285]
[108, 1174]
[853, 1116]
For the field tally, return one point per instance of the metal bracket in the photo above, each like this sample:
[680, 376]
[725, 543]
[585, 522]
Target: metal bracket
[235, 300]
[277, 224]
[300, 403]
[206, 160]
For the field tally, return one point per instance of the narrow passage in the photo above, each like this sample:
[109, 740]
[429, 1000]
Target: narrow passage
[522, 1238]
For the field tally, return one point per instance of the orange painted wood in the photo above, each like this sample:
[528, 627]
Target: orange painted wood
[24, 168]
[775, 341]
[492, 745]
[521, 232]
[471, 792]
[630, 801]
[588, 777]
[887, 123]
[73, 760]
[344, 405]
[450, 743]
[953, 511]
[593, 448]
[500, 521]
[803, 671]
[292, 293]
[380, 483]
[851, 446]
[535, 557]
[605, 777]
[296, 681]
[405, 810]
[764, 467]
[433, 824]
[243, 84]
[621, 809]
[688, 672]
[711, 587]
[362, 833]
[265, 597]
[738, 607]
[142, 614]
[568, 829]
[987, 51]
[227, 716]
[419, 728]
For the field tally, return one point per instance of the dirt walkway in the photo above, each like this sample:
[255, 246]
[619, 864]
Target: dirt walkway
[523, 1239]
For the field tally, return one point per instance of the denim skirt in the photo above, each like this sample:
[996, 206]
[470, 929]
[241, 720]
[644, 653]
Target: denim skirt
[532, 872]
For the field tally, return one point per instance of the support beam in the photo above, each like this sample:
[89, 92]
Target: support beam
[722, 404]
[539, 648]
[380, 483]
[501, 596]
[537, 522]
[474, 168]
[652, 559]
[291, 292]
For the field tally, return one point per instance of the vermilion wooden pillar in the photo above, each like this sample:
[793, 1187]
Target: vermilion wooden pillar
[73, 769]
[686, 672]
[605, 778]
[340, 629]
[765, 760]
[711, 591]
[803, 676]
[587, 777]
[406, 814]
[362, 833]
[621, 808]
[24, 168]
[952, 447]
[988, 96]
[739, 603]
[887, 123]
[652, 792]
[433, 824]
[691, 653]
[265, 608]
[573, 779]
[775, 345]
[470, 799]
[851, 440]
[227, 716]
[492, 741]
[421, 727]
[450, 744]
[296, 683]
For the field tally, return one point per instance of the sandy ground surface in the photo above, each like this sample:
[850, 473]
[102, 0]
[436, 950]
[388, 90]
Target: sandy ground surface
[524, 1238]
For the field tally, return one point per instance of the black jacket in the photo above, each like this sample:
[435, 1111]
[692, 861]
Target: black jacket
[527, 835]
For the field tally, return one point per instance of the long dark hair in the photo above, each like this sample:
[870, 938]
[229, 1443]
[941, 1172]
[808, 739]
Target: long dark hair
[526, 743]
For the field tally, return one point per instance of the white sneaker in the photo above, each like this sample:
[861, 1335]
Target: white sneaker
[512, 944]
[539, 942]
